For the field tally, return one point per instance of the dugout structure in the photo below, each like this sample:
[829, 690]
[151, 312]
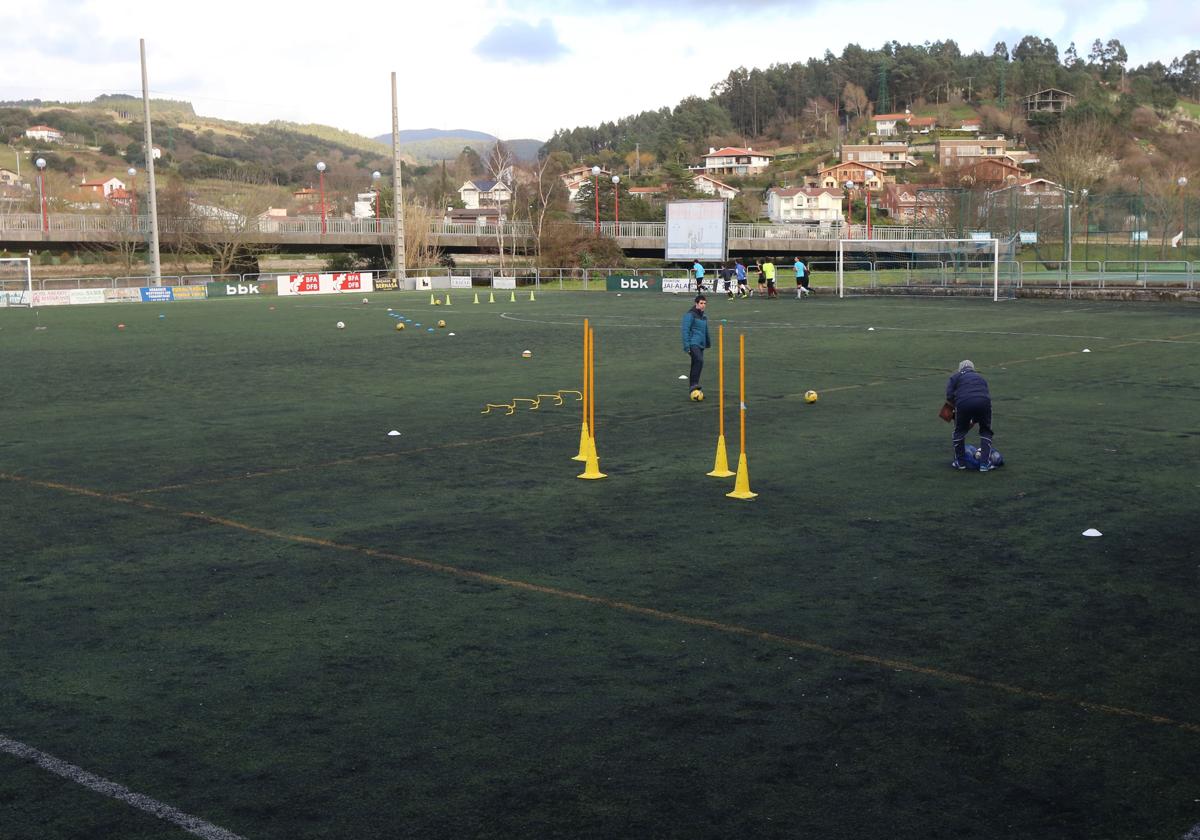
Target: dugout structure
[16, 282]
[924, 266]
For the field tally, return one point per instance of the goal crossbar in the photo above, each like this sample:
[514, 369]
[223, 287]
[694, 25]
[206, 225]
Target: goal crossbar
[976, 254]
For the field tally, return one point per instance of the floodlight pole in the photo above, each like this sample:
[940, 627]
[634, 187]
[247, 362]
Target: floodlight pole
[155, 259]
[398, 255]
[133, 195]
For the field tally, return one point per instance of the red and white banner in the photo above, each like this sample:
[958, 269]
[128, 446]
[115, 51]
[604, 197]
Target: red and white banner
[340, 282]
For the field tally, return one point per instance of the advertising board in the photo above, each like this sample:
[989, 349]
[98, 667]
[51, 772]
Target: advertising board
[338, 282]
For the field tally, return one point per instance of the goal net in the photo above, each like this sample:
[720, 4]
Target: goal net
[16, 282]
[925, 266]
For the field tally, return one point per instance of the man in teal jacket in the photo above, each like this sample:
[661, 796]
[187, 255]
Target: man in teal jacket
[695, 339]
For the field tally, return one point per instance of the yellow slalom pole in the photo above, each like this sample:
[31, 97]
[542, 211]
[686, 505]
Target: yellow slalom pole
[592, 469]
[741, 485]
[585, 437]
[721, 462]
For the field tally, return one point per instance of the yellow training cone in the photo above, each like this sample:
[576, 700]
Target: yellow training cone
[741, 485]
[477, 297]
[432, 301]
[512, 296]
[531, 297]
[721, 462]
[585, 441]
[491, 297]
[447, 298]
[592, 469]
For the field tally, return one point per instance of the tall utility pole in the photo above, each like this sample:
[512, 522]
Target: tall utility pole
[397, 187]
[155, 261]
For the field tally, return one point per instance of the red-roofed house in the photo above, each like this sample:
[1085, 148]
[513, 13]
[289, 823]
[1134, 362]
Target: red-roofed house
[103, 188]
[886, 124]
[991, 171]
[734, 161]
[575, 178]
[860, 174]
[804, 204]
[710, 185]
[906, 203]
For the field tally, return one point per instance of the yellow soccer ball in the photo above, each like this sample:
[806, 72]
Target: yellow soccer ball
[441, 323]
[697, 395]
[811, 396]
[399, 326]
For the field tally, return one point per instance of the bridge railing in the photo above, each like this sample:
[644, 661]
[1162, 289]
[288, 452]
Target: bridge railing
[122, 224]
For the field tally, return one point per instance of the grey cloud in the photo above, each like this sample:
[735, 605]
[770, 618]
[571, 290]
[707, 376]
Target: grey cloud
[522, 43]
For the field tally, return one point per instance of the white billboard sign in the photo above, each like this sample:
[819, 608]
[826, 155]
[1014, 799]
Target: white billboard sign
[697, 230]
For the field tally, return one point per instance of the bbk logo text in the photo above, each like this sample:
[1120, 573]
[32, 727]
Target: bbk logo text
[242, 289]
[636, 283]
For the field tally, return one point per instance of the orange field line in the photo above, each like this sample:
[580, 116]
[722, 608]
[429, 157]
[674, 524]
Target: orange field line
[621, 606]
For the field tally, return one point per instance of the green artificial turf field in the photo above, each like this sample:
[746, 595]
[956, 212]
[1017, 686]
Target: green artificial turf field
[226, 587]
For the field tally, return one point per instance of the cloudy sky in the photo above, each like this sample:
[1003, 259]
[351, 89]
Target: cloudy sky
[514, 68]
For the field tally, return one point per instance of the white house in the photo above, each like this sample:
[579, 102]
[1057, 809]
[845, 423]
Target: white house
[44, 132]
[890, 154]
[734, 161]
[885, 124]
[804, 204]
[8, 178]
[479, 193]
[711, 186]
[103, 188]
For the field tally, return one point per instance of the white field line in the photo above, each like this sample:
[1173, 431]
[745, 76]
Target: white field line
[193, 825]
[601, 322]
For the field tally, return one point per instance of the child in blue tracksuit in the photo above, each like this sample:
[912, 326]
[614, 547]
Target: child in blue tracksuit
[695, 339]
[968, 392]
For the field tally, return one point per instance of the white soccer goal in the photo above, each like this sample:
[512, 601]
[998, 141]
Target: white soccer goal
[16, 282]
[923, 266]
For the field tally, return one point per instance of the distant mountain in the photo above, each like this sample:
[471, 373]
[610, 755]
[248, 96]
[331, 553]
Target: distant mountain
[438, 144]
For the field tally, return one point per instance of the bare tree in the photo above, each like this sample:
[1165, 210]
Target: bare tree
[223, 223]
[499, 165]
[549, 192]
[854, 98]
[1078, 154]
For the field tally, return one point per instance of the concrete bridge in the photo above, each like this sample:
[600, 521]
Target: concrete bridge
[61, 231]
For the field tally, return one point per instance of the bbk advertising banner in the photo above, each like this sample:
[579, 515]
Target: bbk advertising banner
[251, 288]
[633, 283]
[338, 282]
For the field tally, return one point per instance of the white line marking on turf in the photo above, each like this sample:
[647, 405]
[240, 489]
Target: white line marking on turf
[191, 824]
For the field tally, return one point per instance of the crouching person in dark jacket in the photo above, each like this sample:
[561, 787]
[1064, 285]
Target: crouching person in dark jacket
[968, 392]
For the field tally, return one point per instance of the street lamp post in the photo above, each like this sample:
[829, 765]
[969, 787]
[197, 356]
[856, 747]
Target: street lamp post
[616, 179]
[133, 196]
[321, 173]
[867, 176]
[596, 191]
[849, 185]
[375, 176]
[41, 165]
[1183, 182]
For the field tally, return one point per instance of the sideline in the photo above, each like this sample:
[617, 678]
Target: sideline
[193, 825]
